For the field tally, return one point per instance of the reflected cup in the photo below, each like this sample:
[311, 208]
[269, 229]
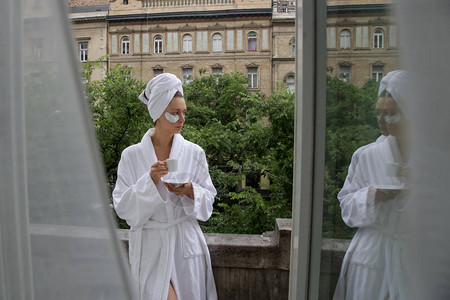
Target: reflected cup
[397, 169]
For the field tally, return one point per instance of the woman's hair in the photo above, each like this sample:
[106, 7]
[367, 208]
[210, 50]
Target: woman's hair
[178, 94]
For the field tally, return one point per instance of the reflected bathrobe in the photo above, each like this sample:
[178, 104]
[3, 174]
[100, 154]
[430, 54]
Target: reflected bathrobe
[371, 268]
[166, 243]
[346, 189]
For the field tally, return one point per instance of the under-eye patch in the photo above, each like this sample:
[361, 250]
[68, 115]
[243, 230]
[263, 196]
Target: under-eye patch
[172, 118]
[393, 119]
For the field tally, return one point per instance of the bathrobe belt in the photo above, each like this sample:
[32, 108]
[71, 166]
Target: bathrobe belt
[163, 262]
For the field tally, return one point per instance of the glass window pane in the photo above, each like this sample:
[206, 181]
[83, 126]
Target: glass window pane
[187, 75]
[354, 217]
[187, 43]
[252, 41]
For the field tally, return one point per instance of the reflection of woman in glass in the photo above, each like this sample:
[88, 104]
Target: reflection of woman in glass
[168, 253]
[374, 203]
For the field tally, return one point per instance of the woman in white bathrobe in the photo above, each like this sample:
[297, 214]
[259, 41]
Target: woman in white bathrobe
[374, 203]
[168, 253]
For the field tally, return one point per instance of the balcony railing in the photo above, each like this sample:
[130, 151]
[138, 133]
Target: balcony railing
[172, 3]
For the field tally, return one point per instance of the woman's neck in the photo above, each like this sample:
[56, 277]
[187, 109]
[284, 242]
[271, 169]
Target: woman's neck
[403, 147]
[160, 139]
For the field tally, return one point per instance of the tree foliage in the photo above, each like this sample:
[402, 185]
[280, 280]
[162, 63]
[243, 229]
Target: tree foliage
[351, 123]
[245, 136]
[119, 117]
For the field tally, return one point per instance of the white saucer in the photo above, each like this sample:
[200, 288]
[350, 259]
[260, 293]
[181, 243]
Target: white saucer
[391, 188]
[176, 182]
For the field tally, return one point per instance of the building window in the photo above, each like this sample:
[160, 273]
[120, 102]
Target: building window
[125, 45]
[187, 75]
[83, 52]
[290, 82]
[157, 72]
[345, 39]
[252, 75]
[126, 73]
[252, 41]
[125, 2]
[345, 73]
[187, 43]
[217, 42]
[377, 72]
[217, 72]
[378, 39]
[37, 49]
[293, 47]
[158, 44]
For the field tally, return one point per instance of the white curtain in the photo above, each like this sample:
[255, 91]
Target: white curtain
[57, 238]
[424, 28]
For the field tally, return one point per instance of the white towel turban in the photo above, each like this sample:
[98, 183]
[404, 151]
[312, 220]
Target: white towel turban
[159, 92]
[396, 84]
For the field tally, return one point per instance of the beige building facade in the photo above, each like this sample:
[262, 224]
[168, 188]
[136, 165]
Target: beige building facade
[90, 30]
[192, 38]
[362, 40]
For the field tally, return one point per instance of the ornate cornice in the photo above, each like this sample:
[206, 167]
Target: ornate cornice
[252, 25]
[217, 26]
[157, 29]
[379, 22]
[345, 63]
[187, 28]
[378, 63]
[187, 66]
[252, 65]
[216, 65]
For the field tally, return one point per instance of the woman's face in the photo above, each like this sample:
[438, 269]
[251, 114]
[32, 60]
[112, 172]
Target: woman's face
[380, 117]
[393, 117]
[176, 109]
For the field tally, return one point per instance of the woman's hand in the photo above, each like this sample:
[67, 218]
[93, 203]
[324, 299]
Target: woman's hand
[186, 189]
[158, 170]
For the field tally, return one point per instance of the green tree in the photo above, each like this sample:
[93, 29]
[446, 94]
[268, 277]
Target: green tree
[120, 119]
[351, 123]
[244, 135]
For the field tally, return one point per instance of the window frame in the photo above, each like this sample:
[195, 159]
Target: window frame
[158, 44]
[252, 77]
[345, 42]
[289, 83]
[252, 40]
[185, 76]
[217, 43]
[378, 38]
[187, 43]
[125, 45]
[157, 72]
[309, 150]
[377, 74]
[83, 53]
[345, 78]
[215, 73]
[38, 49]
[292, 44]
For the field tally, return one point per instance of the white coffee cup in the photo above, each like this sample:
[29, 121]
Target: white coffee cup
[172, 164]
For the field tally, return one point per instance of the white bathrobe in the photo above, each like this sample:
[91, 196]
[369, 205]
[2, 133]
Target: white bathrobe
[371, 268]
[346, 189]
[166, 243]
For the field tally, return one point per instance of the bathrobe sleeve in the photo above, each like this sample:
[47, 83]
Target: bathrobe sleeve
[204, 192]
[135, 198]
[357, 198]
